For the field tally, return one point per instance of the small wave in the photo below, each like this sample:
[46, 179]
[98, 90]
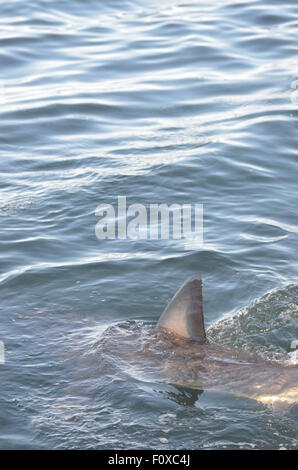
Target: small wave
[267, 327]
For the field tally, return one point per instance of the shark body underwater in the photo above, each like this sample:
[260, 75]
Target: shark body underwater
[196, 362]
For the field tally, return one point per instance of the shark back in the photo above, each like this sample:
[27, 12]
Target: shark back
[184, 314]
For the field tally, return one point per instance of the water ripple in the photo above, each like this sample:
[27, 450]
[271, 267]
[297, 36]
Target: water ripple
[164, 102]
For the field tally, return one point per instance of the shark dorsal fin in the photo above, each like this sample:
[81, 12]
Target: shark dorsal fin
[184, 314]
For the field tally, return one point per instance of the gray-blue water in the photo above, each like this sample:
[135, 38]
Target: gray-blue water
[166, 101]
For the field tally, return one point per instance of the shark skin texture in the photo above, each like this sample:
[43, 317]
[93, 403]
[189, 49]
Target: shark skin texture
[201, 364]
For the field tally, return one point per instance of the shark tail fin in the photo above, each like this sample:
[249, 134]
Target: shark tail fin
[184, 314]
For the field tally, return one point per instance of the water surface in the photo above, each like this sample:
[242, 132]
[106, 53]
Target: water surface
[164, 102]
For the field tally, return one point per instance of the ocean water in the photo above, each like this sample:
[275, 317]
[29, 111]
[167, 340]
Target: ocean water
[163, 102]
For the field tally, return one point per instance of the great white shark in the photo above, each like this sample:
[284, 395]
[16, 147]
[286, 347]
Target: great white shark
[201, 364]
